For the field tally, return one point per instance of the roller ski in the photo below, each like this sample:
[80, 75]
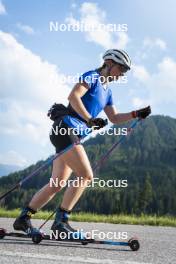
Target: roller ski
[36, 236]
[60, 229]
[23, 223]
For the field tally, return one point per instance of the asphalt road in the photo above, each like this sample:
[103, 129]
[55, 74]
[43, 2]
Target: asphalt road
[157, 246]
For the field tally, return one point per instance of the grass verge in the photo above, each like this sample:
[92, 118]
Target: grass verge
[114, 219]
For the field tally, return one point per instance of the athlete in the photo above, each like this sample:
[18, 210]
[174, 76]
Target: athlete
[87, 99]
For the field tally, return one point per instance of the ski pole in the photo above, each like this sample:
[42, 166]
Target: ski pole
[41, 168]
[114, 146]
[49, 217]
[102, 158]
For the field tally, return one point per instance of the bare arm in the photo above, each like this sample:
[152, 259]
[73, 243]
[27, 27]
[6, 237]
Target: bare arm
[75, 100]
[116, 118]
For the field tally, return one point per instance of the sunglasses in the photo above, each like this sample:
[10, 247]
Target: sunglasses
[123, 68]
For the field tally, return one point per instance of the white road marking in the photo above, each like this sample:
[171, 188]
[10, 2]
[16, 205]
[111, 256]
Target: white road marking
[65, 258]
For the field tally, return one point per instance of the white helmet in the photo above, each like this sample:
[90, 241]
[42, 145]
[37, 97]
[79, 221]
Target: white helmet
[119, 56]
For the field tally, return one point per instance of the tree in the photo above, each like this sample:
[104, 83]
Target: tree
[146, 195]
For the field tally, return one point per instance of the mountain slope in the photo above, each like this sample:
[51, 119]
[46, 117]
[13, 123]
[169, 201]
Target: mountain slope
[147, 160]
[5, 169]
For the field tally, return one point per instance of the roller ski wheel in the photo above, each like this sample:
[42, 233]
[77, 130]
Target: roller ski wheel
[89, 238]
[134, 244]
[36, 236]
[2, 233]
[84, 243]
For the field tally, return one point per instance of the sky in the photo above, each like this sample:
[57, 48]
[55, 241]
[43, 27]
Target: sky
[38, 63]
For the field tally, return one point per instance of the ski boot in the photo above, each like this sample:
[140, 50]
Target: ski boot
[62, 228]
[23, 222]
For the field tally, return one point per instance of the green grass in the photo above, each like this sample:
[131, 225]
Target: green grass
[114, 219]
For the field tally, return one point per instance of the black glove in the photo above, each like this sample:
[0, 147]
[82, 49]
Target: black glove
[142, 113]
[97, 123]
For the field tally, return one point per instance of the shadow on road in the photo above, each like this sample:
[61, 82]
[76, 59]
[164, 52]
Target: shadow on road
[60, 244]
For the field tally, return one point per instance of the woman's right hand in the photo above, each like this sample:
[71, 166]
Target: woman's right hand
[97, 123]
[142, 113]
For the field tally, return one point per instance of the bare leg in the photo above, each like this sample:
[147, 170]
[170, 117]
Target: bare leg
[74, 160]
[78, 161]
[61, 171]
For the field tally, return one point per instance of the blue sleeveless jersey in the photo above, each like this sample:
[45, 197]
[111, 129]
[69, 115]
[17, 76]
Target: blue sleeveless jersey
[94, 100]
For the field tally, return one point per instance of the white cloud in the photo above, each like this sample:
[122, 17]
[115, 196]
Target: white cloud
[11, 157]
[121, 41]
[159, 87]
[140, 73]
[73, 5]
[150, 50]
[138, 102]
[161, 43]
[2, 9]
[26, 29]
[92, 15]
[154, 42]
[26, 77]
[29, 86]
